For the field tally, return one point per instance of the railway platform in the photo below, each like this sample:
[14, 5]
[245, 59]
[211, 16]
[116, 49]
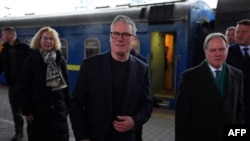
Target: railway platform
[160, 127]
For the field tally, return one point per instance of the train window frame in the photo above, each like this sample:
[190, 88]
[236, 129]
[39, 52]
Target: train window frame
[91, 46]
[64, 48]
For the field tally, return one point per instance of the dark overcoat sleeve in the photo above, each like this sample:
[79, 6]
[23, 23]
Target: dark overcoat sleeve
[182, 109]
[77, 110]
[26, 86]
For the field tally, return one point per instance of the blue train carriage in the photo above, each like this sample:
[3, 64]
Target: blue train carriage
[170, 35]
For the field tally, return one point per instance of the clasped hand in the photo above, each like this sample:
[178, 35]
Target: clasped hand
[123, 124]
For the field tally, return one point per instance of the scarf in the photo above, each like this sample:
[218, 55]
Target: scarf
[54, 78]
[222, 79]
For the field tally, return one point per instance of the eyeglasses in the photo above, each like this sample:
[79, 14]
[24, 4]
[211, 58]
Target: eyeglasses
[125, 36]
[47, 38]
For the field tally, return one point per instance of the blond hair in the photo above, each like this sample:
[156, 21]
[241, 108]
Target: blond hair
[35, 42]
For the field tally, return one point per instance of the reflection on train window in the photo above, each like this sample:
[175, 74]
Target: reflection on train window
[64, 49]
[27, 41]
[92, 47]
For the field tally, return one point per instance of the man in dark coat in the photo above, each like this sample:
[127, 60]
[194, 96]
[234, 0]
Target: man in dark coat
[112, 96]
[204, 104]
[238, 58]
[12, 57]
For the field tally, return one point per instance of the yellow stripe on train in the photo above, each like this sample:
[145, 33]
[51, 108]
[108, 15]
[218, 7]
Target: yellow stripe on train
[73, 67]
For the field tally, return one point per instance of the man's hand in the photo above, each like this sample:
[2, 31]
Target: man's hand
[123, 124]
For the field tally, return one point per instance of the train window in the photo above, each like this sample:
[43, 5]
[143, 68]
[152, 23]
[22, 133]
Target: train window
[92, 47]
[161, 14]
[64, 49]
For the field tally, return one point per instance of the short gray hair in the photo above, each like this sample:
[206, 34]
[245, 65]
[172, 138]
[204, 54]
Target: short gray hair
[125, 19]
[212, 36]
[231, 28]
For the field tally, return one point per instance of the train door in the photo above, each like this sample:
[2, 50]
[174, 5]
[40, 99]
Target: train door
[163, 64]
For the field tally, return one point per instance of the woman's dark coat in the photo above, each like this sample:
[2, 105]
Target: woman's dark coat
[48, 108]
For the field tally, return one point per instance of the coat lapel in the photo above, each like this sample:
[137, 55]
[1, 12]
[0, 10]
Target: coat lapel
[131, 83]
[229, 85]
[107, 76]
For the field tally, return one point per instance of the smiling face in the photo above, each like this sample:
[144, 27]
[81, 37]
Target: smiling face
[216, 52]
[47, 41]
[120, 44]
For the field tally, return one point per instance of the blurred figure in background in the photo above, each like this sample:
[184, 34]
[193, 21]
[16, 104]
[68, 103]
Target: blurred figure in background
[45, 89]
[1, 46]
[230, 34]
[238, 56]
[13, 54]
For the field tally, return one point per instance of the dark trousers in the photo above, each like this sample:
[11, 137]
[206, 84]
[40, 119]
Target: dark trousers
[15, 104]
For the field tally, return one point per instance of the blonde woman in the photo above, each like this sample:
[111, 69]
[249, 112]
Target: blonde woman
[45, 89]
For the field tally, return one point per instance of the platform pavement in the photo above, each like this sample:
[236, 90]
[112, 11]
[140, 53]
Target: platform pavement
[160, 127]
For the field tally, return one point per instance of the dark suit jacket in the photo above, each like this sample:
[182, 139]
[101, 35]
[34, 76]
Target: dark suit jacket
[235, 58]
[200, 110]
[91, 110]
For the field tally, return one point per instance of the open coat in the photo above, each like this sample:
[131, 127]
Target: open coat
[91, 110]
[201, 112]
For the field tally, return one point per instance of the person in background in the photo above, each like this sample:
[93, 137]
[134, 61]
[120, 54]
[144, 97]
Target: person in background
[210, 95]
[238, 56]
[13, 54]
[45, 89]
[1, 46]
[112, 96]
[230, 34]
